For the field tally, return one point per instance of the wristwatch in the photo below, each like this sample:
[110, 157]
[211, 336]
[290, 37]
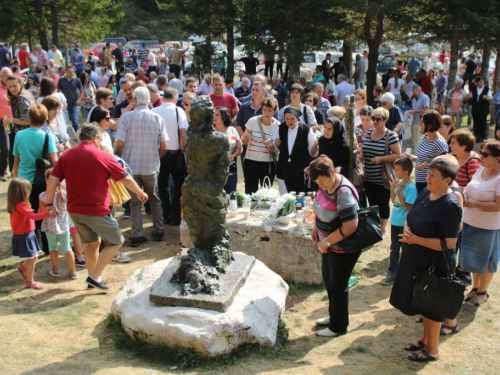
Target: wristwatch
[49, 204]
[327, 242]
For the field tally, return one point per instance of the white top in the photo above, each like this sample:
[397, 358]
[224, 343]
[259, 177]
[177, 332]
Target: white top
[330, 87]
[256, 150]
[446, 67]
[168, 112]
[151, 59]
[484, 191]
[480, 91]
[292, 136]
[396, 91]
[409, 88]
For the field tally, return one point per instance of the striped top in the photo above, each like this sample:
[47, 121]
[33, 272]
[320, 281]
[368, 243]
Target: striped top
[484, 191]
[428, 151]
[468, 170]
[371, 149]
[256, 150]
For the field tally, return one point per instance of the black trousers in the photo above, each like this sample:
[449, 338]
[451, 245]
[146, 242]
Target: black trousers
[171, 205]
[4, 150]
[480, 126]
[336, 271]
[176, 69]
[255, 172]
[36, 189]
[378, 196]
[12, 137]
[269, 67]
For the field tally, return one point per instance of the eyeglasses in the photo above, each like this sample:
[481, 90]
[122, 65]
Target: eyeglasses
[378, 119]
[484, 154]
[99, 138]
[358, 99]
[186, 104]
[107, 118]
[383, 103]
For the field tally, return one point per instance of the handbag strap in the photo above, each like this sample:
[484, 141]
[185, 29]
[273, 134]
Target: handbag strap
[264, 139]
[352, 191]
[45, 150]
[386, 148]
[447, 256]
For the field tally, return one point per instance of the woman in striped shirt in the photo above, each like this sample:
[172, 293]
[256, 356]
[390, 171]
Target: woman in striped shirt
[462, 141]
[374, 154]
[433, 144]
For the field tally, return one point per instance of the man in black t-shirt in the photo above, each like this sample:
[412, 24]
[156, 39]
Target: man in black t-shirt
[470, 67]
[250, 64]
[118, 55]
[325, 65]
[339, 68]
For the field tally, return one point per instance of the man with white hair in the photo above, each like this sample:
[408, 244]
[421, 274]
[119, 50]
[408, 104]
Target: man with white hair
[141, 140]
[324, 104]
[175, 58]
[419, 105]
[342, 89]
[41, 55]
[205, 87]
[5, 111]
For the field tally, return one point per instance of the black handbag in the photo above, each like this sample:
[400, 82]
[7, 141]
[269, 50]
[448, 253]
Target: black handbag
[42, 164]
[369, 230]
[437, 295]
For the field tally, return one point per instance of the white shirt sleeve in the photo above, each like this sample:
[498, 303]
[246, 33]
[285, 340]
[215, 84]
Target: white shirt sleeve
[311, 140]
[183, 121]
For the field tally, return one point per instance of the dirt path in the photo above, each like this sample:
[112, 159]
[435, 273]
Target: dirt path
[61, 329]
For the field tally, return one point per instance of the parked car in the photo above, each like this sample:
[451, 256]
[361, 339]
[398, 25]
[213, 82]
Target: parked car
[138, 44]
[96, 48]
[387, 62]
[115, 39]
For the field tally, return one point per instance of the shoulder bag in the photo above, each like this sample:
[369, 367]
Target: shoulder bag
[387, 166]
[437, 295]
[369, 230]
[264, 139]
[42, 163]
[181, 155]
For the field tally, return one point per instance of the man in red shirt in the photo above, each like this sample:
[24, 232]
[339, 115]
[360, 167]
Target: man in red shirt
[24, 56]
[425, 82]
[223, 99]
[141, 76]
[89, 208]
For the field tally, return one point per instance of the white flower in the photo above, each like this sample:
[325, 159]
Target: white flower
[273, 210]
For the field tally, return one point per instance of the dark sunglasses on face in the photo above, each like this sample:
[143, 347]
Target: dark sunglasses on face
[378, 119]
[484, 154]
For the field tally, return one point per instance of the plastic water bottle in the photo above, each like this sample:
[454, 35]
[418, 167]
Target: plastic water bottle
[353, 280]
[233, 205]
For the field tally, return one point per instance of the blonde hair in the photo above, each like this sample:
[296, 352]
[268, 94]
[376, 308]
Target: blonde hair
[18, 191]
[336, 111]
[382, 112]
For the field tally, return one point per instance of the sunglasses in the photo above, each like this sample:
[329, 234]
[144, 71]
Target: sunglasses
[378, 119]
[485, 154]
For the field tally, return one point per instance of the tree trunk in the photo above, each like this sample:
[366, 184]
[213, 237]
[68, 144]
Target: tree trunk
[347, 54]
[453, 54]
[486, 61]
[54, 17]
[374, 43]
[230, 39]
[42, 33]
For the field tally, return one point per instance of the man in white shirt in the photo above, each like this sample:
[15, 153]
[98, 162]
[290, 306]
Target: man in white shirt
[176, 124]
[365, 60]
[342, 89]
[151, 61]
[428, 63]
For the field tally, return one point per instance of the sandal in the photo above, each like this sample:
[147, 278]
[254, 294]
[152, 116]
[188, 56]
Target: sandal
[421, 356]
[452, 329]
[469, 298]
[33, 285]
[21, 269]
[411, 347]
[473, 301]
[419, 319]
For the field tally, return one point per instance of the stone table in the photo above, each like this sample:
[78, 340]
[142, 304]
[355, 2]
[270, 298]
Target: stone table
[285, 249]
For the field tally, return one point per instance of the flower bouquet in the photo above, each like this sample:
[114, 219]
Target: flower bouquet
[265, 196]
[283, 208]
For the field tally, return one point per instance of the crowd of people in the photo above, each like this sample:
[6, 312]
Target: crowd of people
[135, 130]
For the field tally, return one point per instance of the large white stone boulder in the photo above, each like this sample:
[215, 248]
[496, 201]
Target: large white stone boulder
[251, 319]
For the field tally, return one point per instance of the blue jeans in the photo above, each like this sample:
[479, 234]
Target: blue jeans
[73, 116]
[359, 84]
[85, 113]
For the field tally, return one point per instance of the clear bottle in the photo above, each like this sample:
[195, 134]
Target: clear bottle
[310, 216]
[233, 205]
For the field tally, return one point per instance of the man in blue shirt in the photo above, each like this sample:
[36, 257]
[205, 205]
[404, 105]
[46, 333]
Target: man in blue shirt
[5, 56]
[441, 88]
[419, 105]
[413, 66]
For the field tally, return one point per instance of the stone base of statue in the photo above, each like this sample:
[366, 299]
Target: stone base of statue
[251, 318]
[167, 293]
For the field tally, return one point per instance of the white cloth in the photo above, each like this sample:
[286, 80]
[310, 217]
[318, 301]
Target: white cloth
[292, 136]
[256, 150]
[479, 92]
[168, 112]
[151, 59]
[395, 91]
[205, 89]
[484, 191]
[365, 60]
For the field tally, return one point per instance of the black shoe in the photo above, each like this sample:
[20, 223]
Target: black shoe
[136, 241]
[126, 215]
[175, 223]
[3, 178]
[102, 285]
[148, 211]
[157, 235]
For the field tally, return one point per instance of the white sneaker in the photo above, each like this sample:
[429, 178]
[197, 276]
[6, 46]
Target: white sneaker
[122, 258]
[323, 321]
[327, 333]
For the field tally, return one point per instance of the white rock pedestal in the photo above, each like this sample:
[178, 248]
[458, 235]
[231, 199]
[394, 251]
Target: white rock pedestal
[251, 319]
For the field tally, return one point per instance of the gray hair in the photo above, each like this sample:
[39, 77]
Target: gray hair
[90, 131]
[141, 96]
[342, 77]
[245, 79]
[317, 85]
[189, 95]
[208, 75]
[346, 99]
[276, 76]
[153, 74]
[218, 78]
[458, 80]
[260, 78]
[170, 93]
[416, 87]
[152, 88]
[366, 111]
[389, 98]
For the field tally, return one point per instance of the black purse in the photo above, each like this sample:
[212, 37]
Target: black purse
[369, 230]
[437, 295]
[42, 164]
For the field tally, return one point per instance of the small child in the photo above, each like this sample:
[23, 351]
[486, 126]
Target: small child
[22, 220]
[58, 230]
[403, 195]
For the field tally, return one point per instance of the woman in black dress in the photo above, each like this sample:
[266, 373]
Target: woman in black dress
[435, 214]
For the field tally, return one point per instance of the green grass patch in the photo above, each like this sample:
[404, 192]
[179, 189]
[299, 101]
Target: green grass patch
[186, 358]
[304, 289]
